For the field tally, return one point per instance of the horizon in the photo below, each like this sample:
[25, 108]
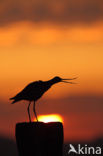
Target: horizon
[40, 40]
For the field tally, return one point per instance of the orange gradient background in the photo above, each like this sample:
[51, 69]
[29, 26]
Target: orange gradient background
[40, 46]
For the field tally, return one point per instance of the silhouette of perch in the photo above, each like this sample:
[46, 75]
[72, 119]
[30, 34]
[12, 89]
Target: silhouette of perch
[39, 139]
[34, 90]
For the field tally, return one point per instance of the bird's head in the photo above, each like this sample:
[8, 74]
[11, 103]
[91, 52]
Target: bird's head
[59, 79]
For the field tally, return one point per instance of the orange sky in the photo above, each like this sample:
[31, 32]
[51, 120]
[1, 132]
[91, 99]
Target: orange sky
[31, 50]
[29, 53]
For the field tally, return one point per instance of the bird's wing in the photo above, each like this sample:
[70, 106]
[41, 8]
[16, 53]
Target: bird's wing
[29, 91]
[32, 88]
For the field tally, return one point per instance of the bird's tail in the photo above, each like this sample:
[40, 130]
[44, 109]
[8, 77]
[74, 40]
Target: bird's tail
[14, 100]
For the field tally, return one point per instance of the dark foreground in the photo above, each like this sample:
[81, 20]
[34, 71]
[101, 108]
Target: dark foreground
[8, 147]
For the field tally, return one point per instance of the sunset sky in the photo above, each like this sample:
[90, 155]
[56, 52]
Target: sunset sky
[42, 39]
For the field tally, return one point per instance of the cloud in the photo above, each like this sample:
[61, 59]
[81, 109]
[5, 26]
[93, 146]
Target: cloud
[58, 11]
[82, 115]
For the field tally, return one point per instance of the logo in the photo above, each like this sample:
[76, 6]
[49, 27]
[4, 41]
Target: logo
[84, 150]
[72, 149]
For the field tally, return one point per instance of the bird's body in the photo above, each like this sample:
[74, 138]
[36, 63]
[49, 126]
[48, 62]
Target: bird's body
[34, 90]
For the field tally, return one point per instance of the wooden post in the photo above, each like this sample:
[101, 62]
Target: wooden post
[39, 139]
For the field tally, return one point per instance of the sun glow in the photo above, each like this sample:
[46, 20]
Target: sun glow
[50, 118]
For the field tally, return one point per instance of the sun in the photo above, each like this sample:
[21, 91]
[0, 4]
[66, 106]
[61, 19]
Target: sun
[50, 118]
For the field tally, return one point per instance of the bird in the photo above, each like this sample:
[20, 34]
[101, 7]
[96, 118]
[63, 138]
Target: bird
[34, 90]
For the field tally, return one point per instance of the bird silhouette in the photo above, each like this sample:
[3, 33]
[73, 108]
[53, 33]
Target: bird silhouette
[34, 90]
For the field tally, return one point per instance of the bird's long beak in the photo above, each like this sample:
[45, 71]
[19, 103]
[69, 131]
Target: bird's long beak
[64, 80]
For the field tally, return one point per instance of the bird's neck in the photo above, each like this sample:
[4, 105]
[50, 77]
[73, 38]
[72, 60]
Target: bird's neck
[51, 82]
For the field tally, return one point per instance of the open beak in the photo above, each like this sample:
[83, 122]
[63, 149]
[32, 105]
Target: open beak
[65, 80]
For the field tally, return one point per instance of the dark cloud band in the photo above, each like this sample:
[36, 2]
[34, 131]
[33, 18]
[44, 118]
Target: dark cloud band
[58, 11]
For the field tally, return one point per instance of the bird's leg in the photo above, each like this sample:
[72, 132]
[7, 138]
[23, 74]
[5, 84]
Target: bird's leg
[28, 109]
[35, 111]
